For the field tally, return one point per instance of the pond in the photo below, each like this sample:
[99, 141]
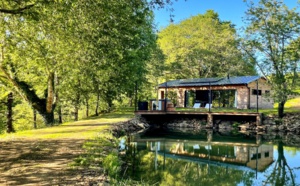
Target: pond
[163, 157]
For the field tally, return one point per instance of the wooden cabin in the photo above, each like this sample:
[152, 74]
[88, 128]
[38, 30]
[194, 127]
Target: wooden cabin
[242, 92]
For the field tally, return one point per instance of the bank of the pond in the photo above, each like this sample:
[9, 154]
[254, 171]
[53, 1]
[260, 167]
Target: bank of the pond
[289, 123]
[272, 128]
[102, 162]
[128, 127]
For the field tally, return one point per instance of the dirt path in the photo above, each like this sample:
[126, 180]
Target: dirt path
[42, 157]
[31, 162]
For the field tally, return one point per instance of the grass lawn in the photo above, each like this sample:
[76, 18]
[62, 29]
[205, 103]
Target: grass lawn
[83, 129]
[291, 106]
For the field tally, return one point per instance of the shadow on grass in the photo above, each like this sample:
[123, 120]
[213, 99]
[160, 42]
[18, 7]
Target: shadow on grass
[38, 162]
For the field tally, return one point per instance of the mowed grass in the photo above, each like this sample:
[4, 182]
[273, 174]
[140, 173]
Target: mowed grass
[291, 106]
[83, 129]
[293, 103]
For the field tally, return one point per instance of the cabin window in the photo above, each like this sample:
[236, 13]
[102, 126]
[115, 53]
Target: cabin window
[256, 156]
[256, 92]
[267, 154]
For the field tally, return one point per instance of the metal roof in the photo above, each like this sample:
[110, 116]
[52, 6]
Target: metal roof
[198, 82]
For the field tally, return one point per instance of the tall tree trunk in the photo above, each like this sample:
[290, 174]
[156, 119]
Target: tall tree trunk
[281, 157]
[97, 104]
[87, 107]
[76, 107]
[110, 105]
[44, 106]
[60, 119]
[76, 113]
[9, 123]
[131, 100]
[48, 118]
[49, 115]
[281, 109]
[50, 93]
[34, 119]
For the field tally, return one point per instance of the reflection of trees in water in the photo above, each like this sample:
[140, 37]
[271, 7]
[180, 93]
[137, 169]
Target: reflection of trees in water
[181, 172]
[282, 174]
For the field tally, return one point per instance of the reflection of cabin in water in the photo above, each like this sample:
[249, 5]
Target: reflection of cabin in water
[256, 157]
[241, 92]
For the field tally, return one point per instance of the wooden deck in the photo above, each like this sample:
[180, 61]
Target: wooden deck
[210, 115]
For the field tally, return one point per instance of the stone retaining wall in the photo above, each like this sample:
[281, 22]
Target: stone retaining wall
[290, 123]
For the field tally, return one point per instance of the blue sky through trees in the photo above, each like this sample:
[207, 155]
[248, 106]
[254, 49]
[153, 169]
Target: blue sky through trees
[228, 10]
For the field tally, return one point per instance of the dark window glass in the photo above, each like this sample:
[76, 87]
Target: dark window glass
[267, 92]
[256, 156]
[254, 92]
[267, 154]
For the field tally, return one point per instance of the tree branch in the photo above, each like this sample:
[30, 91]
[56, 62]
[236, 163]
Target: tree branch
[16, 11]
[256, 62]
[291, 172]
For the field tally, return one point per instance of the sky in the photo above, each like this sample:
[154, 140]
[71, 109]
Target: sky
[228, 10]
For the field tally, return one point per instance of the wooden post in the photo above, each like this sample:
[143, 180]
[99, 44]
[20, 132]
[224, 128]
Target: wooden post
[258, 120]
[209, 97]
[257, 96]
[209, 123]
[166, 95]
[209, 135]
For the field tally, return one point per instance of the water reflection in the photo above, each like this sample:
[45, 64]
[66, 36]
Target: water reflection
[211, 158]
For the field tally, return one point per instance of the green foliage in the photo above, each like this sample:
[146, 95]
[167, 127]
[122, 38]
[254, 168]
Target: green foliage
[172, 95]
[191, 98]
[272, 43]
[2, 117]
[23, 118]
[99, 153]
[112, 164]
[172, 171]
[74, 54]
[203, 46]
[2, 126]
[235, 125]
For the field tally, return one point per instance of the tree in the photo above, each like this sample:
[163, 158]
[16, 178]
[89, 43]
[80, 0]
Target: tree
[78, 49]
[271, 29]
[15, 7]
[118, 48]
[31, 53]
[282, 173]
[203, 46]
[9, 116]
[70, 40]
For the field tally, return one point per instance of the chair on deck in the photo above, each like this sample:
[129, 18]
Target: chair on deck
[207, 106]
[197, 105]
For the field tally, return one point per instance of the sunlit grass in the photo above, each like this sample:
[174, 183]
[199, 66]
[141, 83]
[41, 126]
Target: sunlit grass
[291, 103]
[291, 106]
[83, 129]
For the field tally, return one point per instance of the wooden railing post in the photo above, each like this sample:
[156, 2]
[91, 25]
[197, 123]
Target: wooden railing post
[209, 123]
